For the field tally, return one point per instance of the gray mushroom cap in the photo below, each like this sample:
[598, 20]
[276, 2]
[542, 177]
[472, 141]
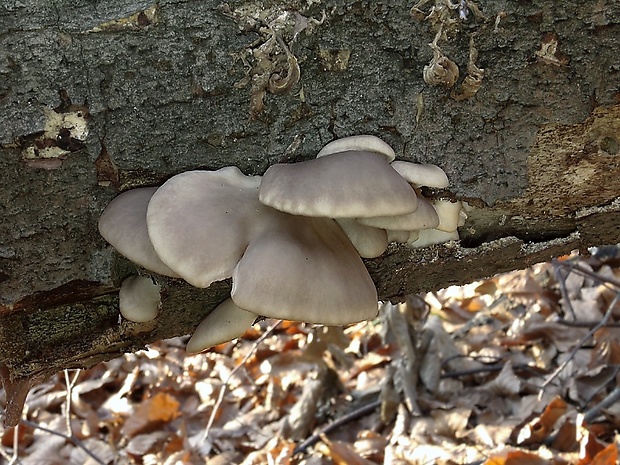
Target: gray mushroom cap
[123, 225]
[343, 185]
[200, 222]
[304, 269]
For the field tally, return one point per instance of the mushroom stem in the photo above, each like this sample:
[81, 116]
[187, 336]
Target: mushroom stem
[225, 323]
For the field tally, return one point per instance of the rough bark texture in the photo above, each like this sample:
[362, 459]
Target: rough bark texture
[167, 87]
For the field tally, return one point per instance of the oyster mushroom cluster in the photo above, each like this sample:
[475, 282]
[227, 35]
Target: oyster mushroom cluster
[292, 240]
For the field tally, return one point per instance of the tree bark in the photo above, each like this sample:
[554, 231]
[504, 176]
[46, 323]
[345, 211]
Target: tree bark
[97, 99]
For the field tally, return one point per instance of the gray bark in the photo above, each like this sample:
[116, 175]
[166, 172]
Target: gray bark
[174, 86]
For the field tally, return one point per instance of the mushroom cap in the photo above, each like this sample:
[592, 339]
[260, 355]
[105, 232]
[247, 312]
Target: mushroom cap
[449, 214]
[342, 185]
[363, 143]
[424, 217]
[427, 237]
[369, 242]
[123, 225]
[304, 269]
[139, 299]
[422, 174]
[200, 222]
[225, 323]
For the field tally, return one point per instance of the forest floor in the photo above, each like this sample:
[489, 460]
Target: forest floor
[522, 368]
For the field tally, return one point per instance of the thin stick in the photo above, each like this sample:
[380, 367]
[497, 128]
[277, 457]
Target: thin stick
[590, 274]
[70, 383]
[562, 282]
[349, 417]
[72, 439]
[608, 401]
[220, 397]
[487, 369]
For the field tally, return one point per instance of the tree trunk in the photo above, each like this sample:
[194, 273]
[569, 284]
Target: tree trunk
[99, 98]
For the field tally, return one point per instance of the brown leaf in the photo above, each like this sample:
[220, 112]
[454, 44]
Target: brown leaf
[516, 457]
[539, 429]
[342, 453]
[590, 447]
[566, 440]
[608, 456]
[161, 408]
[24, 436]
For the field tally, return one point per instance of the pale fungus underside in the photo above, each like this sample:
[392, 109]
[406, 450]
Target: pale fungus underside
[291, 241]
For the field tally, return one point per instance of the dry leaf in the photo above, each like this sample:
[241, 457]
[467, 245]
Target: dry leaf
[151, 413]
[516, 457]
[536, 431]
[341, 453]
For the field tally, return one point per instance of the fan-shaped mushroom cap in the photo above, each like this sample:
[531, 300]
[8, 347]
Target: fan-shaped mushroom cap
[424, 217]
[341, 185]
[422, 174]
[139, 299]
[225, 323]
[123, 225]
[369, 242]
[304, 269]
[449, 214]
[362, 143]
[200, 222]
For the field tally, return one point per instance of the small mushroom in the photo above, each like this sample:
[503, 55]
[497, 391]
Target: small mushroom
[362, 143]
[352, 184]
[421, 174]
[123, 225]
[225, 323]
[304, 269]
[200, 222]
[139, 299]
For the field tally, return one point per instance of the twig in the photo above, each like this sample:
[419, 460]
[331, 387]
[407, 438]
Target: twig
[72, 439]
[351, 416]
[487, 369]
[579, 345]
[590, 274]
[220, 397]
[14, 459]
[609, 378]
[562, 282]
[70, 383]
[608, 401]
[585, 323]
